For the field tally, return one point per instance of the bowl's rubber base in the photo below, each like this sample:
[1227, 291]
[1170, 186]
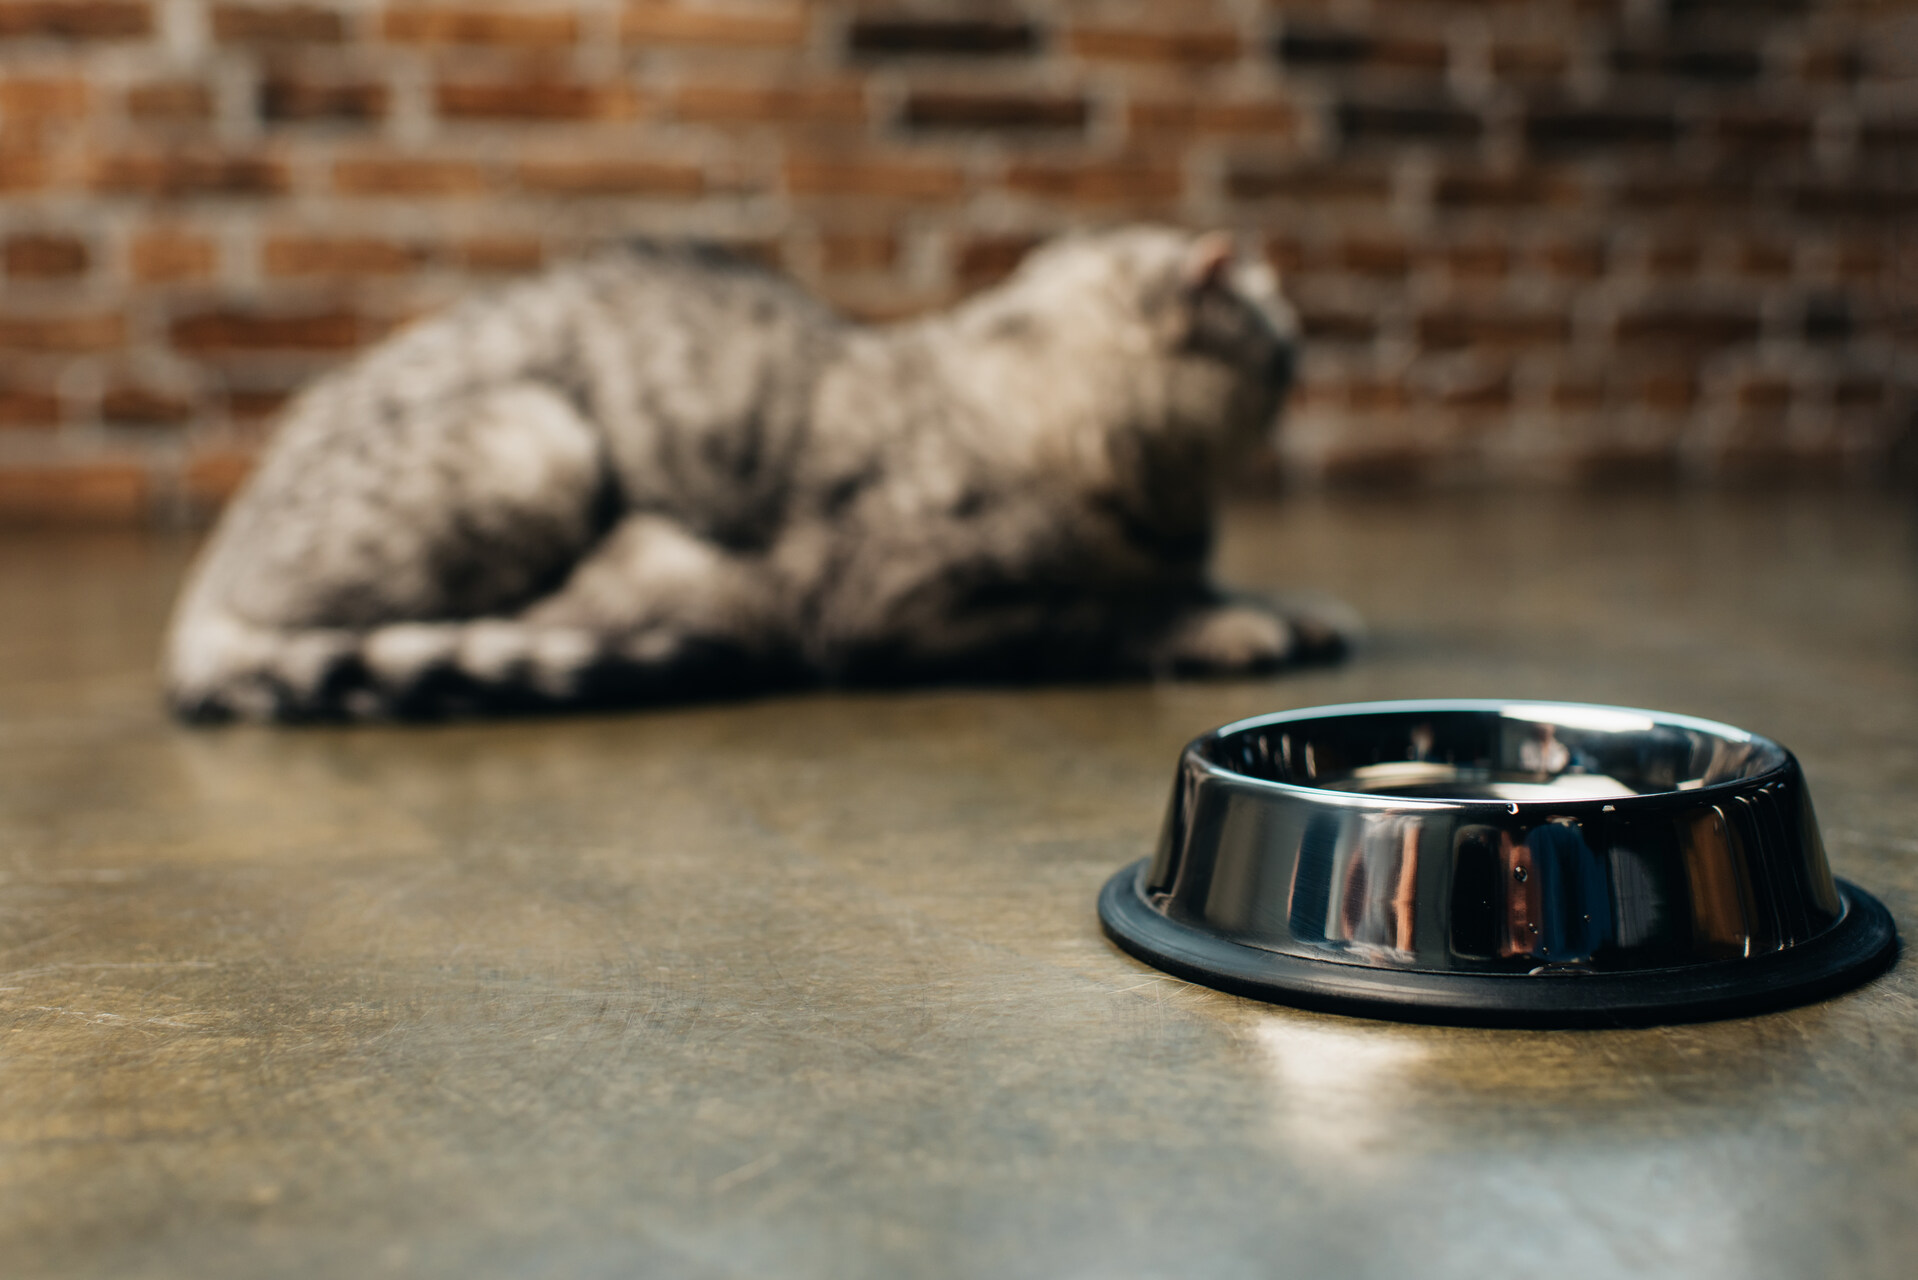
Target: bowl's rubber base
[1863, 944]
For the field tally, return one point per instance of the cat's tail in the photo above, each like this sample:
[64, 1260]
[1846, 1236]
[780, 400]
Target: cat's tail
[219, 667]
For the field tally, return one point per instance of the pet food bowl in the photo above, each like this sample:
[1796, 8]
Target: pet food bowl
[1497, 864]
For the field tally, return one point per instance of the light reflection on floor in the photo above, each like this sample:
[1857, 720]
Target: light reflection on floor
[1340, 1089]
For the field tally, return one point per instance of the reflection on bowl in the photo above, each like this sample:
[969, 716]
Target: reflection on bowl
[1524, 863]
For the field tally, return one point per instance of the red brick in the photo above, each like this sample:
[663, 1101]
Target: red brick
[254, 404]
[1398, 122]
[985, 260]
[1272, 119]
[1831, 64]
[28, 405]
[212, 476]
[1668, 391]
[1370, 395]
[1860, 260]
[1373, 256]
[1859, 393]
[171, 102]
[1180, 46]
[1717, 15]
[162, 174]
[289, 97]
[536, 99]
[1569, 259]
[508, 28]
[234, 329]
[62, 333]
[1575, 393]
[1124, 182]
[301, 256]
[1561, 129]
[1284, 252]
[1709, 64]
[1451, 329]
[1712, 192]
[1765, 393]
[105, 492]
[943, 109]
[1490, 389]
[157, 256]
[1315, 391]
[837, 103]
[45, 256]
[1335, 323]
[1477, 261]
[273, 24]
[1889, 135]
[907, 35]
[734, 24]
[24, 165]
[1760, 130]
[1763, 258]
[1529, 61]
[500, 253]
[133, 405]
[1318, 183]
[611, 177]
[43, 97]
[1687, 329]
[858, 251]
[408, 176]
[873, 177]
[1521, 188]
[74, 19]
[1335, 49]
[1673, 258]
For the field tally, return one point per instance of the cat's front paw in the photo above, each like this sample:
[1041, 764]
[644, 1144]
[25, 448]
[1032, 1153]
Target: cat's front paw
[1251, 634]
[1228, 639]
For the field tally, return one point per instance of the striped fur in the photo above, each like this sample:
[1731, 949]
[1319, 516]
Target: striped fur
[660, 473]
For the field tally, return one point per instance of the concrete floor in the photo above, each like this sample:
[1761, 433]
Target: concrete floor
[814, 986]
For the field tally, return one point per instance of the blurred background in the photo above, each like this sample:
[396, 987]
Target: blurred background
[1537, 241]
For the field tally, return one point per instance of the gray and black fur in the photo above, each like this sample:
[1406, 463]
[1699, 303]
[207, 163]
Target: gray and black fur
[659, 473]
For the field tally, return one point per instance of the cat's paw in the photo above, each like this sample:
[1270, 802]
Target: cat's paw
[1252, 634]
[1228, 639]
[1323, 629]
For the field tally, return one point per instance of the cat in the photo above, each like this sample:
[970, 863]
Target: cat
[661, 472]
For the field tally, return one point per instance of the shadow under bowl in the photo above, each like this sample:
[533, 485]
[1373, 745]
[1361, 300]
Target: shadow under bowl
[1497, 864]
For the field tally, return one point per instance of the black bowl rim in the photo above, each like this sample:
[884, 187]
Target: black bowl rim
[1863, 944]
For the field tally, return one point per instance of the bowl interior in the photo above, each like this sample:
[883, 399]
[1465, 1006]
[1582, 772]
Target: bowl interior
[1510, 751]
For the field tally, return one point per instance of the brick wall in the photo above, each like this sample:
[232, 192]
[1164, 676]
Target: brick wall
[1530, 238]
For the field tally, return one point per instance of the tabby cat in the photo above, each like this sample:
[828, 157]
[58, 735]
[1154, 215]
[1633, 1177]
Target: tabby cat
[661, 472]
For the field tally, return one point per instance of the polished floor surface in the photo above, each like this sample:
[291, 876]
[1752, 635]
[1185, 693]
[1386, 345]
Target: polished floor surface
[813, 986]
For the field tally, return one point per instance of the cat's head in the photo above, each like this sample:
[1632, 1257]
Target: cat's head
[1192, 311]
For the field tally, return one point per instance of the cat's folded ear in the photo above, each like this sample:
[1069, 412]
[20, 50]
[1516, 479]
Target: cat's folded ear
[1206, 267]
[1208, 260]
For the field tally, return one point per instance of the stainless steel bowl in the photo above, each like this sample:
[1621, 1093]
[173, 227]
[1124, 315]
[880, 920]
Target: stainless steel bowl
[1497, 863]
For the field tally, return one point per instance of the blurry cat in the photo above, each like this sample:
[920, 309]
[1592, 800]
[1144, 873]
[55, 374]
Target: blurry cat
[661, 472]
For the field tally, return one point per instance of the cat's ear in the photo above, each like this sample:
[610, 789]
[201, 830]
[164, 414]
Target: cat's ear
[1208, 260]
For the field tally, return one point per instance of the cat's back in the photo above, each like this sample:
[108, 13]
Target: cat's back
[699, 368]
[663, 312]
[668, 351]
[668, 377]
